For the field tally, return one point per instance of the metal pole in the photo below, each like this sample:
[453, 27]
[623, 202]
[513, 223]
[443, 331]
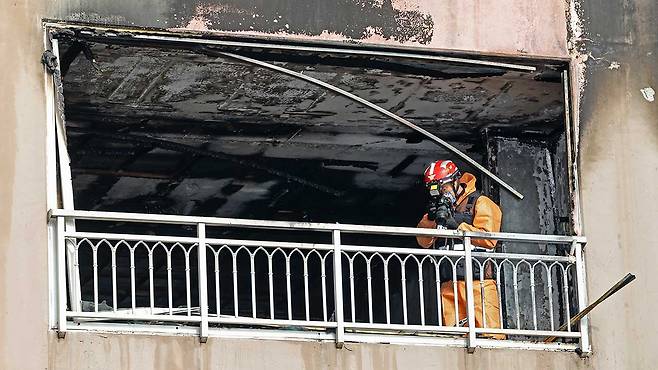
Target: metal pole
[169, 37]
[51, 187]
[61, 279]
[338, 290]
[349, 228]
[572, 130]
[380, 110]
[582, 299]
[203, 283]
[573, 200]
[66, 184]
[470, 300]
[615, 288]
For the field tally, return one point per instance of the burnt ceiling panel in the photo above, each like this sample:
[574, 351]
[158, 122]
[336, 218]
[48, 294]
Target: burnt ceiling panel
[187, 85]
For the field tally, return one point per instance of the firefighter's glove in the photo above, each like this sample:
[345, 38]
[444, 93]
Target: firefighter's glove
[463, 217]
[451, 223]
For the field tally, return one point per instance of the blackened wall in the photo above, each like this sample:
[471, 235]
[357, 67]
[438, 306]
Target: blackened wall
[533, 28]
[618, 174]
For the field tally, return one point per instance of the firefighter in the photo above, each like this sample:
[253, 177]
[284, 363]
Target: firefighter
[457, 204]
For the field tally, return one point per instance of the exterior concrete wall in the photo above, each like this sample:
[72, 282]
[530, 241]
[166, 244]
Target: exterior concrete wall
[100, 351]
[617, 53]
[618, 175]
[23, 235]
[492, 26]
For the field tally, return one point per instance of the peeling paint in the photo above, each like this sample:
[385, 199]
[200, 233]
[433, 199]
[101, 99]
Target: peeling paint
[649, 94]
[614, 65]
[97, 18]
[575, 46]
[408, 5]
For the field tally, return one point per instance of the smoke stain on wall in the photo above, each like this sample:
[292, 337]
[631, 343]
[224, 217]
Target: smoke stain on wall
[354, 19]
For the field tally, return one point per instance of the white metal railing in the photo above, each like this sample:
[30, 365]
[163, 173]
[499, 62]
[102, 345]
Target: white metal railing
[321, 289]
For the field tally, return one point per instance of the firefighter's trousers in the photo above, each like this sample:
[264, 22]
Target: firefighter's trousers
[490, 314]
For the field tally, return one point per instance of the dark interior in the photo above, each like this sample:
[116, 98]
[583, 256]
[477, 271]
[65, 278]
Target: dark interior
[187, 132]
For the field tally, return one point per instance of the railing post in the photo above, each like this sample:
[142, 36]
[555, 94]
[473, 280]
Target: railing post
[470, 300]
[338, 290]
[203, 283]
[581, 282]
[61, 278]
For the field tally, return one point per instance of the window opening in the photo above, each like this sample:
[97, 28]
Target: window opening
[188, 131]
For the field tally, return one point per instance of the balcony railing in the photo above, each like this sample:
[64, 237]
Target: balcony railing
[298, 287]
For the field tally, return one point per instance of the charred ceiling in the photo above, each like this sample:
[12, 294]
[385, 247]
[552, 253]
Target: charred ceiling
[184, 131]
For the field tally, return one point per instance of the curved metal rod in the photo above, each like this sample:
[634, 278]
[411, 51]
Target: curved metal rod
[379, 109]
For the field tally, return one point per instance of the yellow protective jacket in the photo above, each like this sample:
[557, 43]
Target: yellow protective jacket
[487, 216]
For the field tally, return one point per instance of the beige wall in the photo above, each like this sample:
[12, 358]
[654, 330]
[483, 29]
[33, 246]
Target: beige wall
[500, 26]
[619, 170]
[137, 352]
[619, 177]
[23, 237]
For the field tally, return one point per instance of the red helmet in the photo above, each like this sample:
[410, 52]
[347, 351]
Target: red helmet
[441, 172]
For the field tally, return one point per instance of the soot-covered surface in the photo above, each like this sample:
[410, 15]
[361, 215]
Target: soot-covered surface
[356, 19]
[177, 132]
